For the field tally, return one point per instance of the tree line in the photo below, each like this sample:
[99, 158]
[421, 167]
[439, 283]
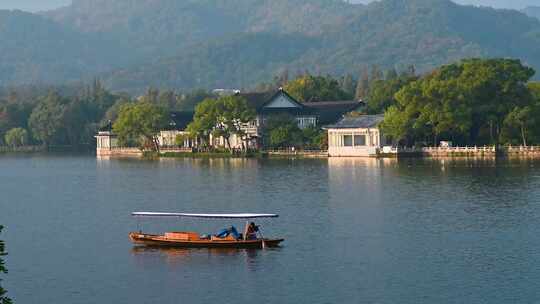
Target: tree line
[471, 102]
[71, 117]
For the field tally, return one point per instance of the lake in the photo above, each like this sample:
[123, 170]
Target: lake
[356, 230]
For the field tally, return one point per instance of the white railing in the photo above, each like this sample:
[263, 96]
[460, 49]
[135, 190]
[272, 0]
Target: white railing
[439, 150]
[466, 149]
[522, 149]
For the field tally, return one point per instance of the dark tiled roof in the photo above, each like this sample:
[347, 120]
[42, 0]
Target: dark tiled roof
[259, 100]
[326, 111]
[331, 111]
[356, 122]
[180, 120]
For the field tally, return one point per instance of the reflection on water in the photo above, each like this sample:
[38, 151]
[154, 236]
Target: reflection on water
[179, 257]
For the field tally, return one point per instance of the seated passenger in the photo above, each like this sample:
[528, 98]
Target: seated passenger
[223, 233]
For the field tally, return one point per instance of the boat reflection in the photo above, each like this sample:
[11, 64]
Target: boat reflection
[182, 256]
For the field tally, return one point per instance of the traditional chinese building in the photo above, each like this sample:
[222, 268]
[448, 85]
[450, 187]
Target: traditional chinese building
[279, 103]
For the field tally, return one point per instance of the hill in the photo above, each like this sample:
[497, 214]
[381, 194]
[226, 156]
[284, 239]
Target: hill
[390, 33]
[532, 11]
[235, 43]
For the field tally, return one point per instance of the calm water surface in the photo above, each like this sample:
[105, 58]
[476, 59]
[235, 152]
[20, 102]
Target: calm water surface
[357, 230]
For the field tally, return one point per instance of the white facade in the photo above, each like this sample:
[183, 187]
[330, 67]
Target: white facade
[168, 139]
[106, 140]
[356, 136]
[354, 142]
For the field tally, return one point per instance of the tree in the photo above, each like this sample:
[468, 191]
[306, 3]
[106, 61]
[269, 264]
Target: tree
[16, 137]
[3, 298]
[347, 85]
[232, 112]
[381, 92]
[223, 117]
[113, 112]
[470, 102]
[204, 121]
[376, 73]
[45, 121]
[76, 115]
[362, 87]
[310, 88]
[14, 113]
[314, 138]
[282, 131]
[522, 118]
[140, 123]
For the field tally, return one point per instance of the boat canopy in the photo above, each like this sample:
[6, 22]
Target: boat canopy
[207, 215]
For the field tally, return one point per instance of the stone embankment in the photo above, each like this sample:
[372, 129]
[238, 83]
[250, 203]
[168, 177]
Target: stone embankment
[134, 152]
[484, 151]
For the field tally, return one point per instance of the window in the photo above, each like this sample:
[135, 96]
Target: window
[347, 140]
[359, 140]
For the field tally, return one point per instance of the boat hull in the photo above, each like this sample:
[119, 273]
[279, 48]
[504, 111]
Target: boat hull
[161, 241]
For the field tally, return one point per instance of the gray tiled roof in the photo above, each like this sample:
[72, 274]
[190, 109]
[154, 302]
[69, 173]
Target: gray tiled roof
[355, 122]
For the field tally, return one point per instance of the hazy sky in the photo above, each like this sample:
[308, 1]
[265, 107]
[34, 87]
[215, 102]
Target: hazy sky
[33, 5]
[515, 4]
[37, 5]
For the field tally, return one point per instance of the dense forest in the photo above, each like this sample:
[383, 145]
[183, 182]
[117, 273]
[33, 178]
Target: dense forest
[134, 44]
[70, 116]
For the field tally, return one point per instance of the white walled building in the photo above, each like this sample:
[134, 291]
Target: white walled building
[356, 136]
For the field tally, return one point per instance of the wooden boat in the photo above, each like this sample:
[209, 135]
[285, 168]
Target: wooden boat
[194, 240]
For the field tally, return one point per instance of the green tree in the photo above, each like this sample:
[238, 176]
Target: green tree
[223, 117]
[347, 84]
[140, 123]
[204, 121]
[45, 122]
[16, 137]
[282, 131]
[381, 93]
[3, 298]
[396, 124]
[76, 116]
[522, 118]
[310, 88]
[472, 101]
[112, 113]
[362, 87]
[232, 112]
[314, 138]
[14, 113]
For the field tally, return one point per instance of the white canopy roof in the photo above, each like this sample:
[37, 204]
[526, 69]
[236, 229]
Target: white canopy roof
[207, 215]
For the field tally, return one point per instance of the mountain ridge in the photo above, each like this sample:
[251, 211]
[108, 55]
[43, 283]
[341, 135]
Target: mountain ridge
[133, 44]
